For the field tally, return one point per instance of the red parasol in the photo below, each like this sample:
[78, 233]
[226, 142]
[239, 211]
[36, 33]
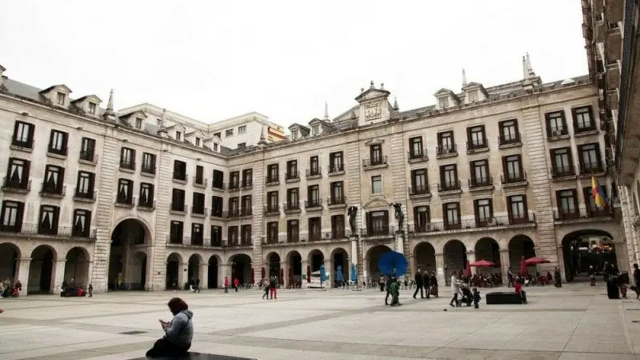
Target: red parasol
[483, 263]
[523, 268]
[468, 269]
[536, 260]
[308, 273]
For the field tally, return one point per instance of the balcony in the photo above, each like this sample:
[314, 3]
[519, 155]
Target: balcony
[128, 166]
[217, 213]
[591, 169]
[180, 178]
[234, 186]
[200, 183]
[196, 240]
[472, 224]
[480, 183]
[61, 233]
[558, 134]
[272, 240]
[88, 158]
[58, 153]
[52, 191]
[508, 141]
[614, 10]
[233, 213]
[146, 205]
[217, 242]
[450, 187]
[220, 186]
[313, 173]
[415, 157]
[374, 163]
[272, 180]
[613, 76]
[335, 170]
[127, 201]
[373, 231]
[198, 211]
[174, 239]
[289, 238]
[21, 187]
[563, 172]
[313, 205]
[272, 210]
[234, 243]
[315, 236]
[247, 184]
[87, 197]
[514, 179]
[446, 151]
[26, 145]
[292, 208]
[246, 211]
[583, 214]
[337, 202]
[292, 176]
[149, 171]
[420, 191]
[476, 147]
[178, 209]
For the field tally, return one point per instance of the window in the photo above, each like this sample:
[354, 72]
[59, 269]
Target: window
[294, 134]
[449, 177]
[484, 211]
[92, 108]
[376, 154]
[247, 178]
[177, 200]
[11, 216]
[246, 205]
[518, 213]
[590, 158]
[315, 130]
[197, 141]
[292, 170]
[125, 191]
[127, 158]
[415, 148]
[245, 235]
[293, 231]
[509, 132]
[272, 201]
[315, 229]
[314, 166]
[480, 173]
[178, 135]
[159, 122]
[218, 135]
[81, 223]
[583, 119]
[421, 218]
[293, 199]
[232, 235]
[216, 235]
[556, 124]
[513, 168]
[242, 129]
[17, 174]
[146, 195]
[58, 142]
[336, 162]
[175, 233]
[199, 175]
[197, 234]
[87, 149]
[561, 162]
[242, 145]
[218, 179]
[446, 143]
[378, 223]
[148, 163]
[567, 204]
[337, 193]
[272, 232]
[228, 133]
[180, 170]
[215, 147]
[376, 184]
[234, 206]
[60, 98]
[216, 206]
[337, 227]
[198, 203]
[476, 137]
[272, 173]
[234, 180]
[23, 134]
[48, 224]
[419, 181]
[313, 196]
[84, 188]
[53, 179]
[451, 215]
[443, 102]
[138, 123]
[472, 96]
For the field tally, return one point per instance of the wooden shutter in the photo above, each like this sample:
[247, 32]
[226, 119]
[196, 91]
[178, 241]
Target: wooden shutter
[25, 175]
[20, 216]
[60, 178]
[575, 119]
[386, 219]
[369, 225]
[564, 121]
[547, 121]
[56, 215]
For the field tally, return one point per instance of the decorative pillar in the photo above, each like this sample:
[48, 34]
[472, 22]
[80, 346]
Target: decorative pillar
[504, 265]
[204, 276]
[23, 274]
[561, 264]
[305, 279]
[440, 270]
[471, 258]
[58, 276]
[399, 241]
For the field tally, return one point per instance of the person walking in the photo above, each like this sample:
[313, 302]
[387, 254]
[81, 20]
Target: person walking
[90, 290]
[592, 275]
[265, 283]
[426, 283]
[388, 288]
[419, 283]
[558, 279]
[636, 275]
[236, 283]
[454, 289]
[226, 284]
[272, 287]
[433, 281]
[510, 277]
[476, 298]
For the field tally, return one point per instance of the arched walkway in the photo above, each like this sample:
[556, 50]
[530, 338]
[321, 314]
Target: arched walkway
[584, 248]
[193, 271]
[9, 257]
[339, 262]
[76, 269]
[425, 257]
[519, 246]
[455, 258]
[273, 263]
[294, 261]
[41, 270]
[489, 250]
[373, 256]
[128, 238]
[137, 271]
[315, 260]
[173, 271]
[240, 268]
[213, 272]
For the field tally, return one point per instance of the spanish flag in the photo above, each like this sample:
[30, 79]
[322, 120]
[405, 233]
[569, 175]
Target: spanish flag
[599, 197]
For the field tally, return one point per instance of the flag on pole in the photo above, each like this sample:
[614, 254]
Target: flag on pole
[599, 197]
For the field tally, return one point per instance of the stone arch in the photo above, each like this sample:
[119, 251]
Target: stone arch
[273, 264]
[294, 264]
[128, 237]
[42, 270]
[455, 258]
[174, 271]
[372, 258]
[339, 260]
[584, 248]
[10, 255]
[425, 257]
[212, 275]
[488, 249]
[240, 268]
[193, 268]
[315, 258]
[519, 246]
[76, 267]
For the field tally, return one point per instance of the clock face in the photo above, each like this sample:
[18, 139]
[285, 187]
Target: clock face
[373, 110]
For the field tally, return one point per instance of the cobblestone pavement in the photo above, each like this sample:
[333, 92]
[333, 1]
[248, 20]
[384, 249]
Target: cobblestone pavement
[573, 322]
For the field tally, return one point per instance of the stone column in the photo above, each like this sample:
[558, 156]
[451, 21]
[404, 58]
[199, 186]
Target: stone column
[399, 242]
[204, 276]
[561, 264]
[305, 281]
[440, 271]
[183, 272]
[23, 274]
[504, 265]
[58, 275]
[471, 257]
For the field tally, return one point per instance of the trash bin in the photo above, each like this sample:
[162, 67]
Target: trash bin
[613, 291]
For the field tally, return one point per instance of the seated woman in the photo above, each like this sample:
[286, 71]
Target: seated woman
[178, 332]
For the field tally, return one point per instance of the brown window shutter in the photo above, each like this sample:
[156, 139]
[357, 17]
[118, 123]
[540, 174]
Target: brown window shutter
[547, 123]
[20, 216]
[564, 120]
[27, 167]
[386, 218]
[553, 160]
[575, 119]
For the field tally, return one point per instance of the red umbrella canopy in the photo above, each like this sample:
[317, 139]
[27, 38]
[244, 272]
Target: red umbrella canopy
[536, 260]
[523, 267]
[468, 269]
[483, 263]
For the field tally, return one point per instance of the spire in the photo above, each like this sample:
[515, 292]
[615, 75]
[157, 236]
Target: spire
[163, 120]
[263, 139]
[524, 68]
[464, 78]
[108, 113]
[326, 111]
[395, 104]
[530, 72]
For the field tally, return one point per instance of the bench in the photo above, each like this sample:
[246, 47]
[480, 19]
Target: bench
[503, 298]
[198, 356]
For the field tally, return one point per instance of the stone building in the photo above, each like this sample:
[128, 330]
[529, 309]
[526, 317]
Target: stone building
[144, 199]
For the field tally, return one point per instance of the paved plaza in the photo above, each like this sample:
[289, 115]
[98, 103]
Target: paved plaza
[574, 322]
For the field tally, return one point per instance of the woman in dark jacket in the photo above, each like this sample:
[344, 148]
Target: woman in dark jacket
[178, 332]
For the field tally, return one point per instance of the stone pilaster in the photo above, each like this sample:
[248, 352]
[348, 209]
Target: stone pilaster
[58, 275]
[471, 257]
[158, 251]
[440, 271]
[204, 276]
[258, 226]
[23, 274]
[353, 173]
[504, 265]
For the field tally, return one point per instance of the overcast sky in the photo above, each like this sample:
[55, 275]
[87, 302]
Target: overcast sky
[214, 60]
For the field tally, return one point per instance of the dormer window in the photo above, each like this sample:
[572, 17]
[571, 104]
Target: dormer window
[197, 141]
[294, 135]
[215, 147]
[443, 102]
[473, 96]
[218, 135]
[178, 135]
[228, 133]
[315, 130]
[138, 123]
[92, 108]
[61, 98]
[159, 121]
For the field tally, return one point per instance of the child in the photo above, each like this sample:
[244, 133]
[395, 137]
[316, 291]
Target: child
[394, 288]
[476, 298]
[265, 283]
[90, 290]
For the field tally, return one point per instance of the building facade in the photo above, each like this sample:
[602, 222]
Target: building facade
[130, 201]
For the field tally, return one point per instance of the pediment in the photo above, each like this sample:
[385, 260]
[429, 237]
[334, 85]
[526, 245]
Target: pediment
[376, 202]
[176, 126]
[136, 114]
[62, 88]
[442, 92]
[374, 141]
[371, 94]
[197, 133]
[93, 98]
